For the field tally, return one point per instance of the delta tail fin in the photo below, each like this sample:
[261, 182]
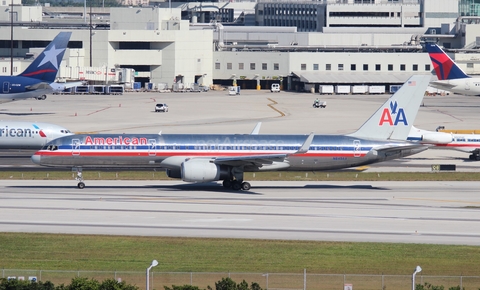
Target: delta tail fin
[444, 66]
[45, 66]
[393, 120]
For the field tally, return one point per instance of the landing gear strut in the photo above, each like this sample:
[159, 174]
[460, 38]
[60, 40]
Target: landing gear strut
[79, 178]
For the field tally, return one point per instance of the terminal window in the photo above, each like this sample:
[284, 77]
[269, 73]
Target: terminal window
[378, 67]
[390, 67]
[303, 66]
[340, 66]
[229, 65]
[365, 67]
[217, 65]
[240, 65]
[276, 66]
[264, 66]
[469, 64]
[315, 66]
[427, 67]
[415, 67]
[353, 66]
[402, 67]
[252, 66]
[328, 66]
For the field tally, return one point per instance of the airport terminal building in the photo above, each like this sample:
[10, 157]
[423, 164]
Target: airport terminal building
[301, 44]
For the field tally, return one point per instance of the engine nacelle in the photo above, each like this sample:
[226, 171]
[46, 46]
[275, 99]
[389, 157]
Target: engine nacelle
[202, 170]
[437, 138]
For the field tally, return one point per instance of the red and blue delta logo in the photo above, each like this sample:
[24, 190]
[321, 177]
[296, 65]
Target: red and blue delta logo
[393, 115]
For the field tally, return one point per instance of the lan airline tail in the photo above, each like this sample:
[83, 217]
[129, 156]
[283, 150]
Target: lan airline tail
[393, 120]
[445, 67]
[45, 66]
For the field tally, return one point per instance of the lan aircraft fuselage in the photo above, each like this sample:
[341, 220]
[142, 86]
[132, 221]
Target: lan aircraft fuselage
[209, 157]
[29, 135]
[35, 81]
[468, 143]
[450, 76]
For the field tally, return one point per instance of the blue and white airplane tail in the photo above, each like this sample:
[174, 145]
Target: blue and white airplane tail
[444, 66]
[45, 66]
[393, 120]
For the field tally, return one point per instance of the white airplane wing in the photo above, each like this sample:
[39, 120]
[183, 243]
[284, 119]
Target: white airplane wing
[442, 85]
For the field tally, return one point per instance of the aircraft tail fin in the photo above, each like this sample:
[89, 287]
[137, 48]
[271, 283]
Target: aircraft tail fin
[444, 66]
[393, 120]
[45, 66]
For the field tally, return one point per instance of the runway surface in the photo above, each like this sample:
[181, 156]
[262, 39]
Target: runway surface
[409, 212]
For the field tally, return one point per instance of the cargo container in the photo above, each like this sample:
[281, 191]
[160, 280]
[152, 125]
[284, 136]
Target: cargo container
[81, 90]
[115, 90]
[394, 88]
[376, 89]
[342, 89]
[359, 89]
[326, 89]
[96, 89]
[137, 86]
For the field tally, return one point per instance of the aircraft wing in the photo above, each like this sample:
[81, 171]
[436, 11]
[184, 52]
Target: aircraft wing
[252, 160]
[442, 85]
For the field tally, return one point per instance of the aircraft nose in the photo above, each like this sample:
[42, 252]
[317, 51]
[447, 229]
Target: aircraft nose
[36, 159]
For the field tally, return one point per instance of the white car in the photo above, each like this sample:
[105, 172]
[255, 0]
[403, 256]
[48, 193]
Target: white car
[161, 108]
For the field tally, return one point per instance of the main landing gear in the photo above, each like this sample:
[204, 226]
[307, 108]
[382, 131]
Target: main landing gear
[474, 156]
[79, 178]
[236, 185]
[235, 181]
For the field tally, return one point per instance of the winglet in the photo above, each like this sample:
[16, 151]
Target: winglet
[256, 130]
[306, 145]
[393, 120]
[45, 66]
[444, 66]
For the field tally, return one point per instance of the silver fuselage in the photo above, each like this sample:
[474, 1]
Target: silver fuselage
[169, 151]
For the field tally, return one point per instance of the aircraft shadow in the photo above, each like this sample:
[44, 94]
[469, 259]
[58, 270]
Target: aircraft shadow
[212, 187]
[25, 114]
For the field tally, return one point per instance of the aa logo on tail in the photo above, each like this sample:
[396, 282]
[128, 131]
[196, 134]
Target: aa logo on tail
[388, 115]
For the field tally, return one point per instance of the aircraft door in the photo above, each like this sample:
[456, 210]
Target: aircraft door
[152, 150]
[467, 85]
[76, 147]
[356, 148]
[6, 87]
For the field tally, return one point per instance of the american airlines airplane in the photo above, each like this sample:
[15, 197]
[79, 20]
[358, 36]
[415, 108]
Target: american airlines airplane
[213, 157]
[29, 135]
[468, 143]
[35, 81]
[450, 76]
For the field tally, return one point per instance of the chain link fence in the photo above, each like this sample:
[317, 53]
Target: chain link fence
[272, 281]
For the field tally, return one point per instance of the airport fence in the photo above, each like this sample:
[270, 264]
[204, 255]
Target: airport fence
[272, 281]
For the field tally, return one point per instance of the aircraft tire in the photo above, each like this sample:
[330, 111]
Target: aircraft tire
[236, 185]
[81, 185]
[227, 183]
[246, 186]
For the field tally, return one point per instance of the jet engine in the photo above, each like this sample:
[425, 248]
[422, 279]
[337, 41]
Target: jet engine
[202, 170]
[437, 138]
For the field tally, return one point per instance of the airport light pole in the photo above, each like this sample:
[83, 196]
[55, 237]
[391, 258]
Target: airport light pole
[154, 263]
[418, 269]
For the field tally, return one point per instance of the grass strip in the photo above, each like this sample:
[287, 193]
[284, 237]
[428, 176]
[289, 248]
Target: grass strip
[128, 253]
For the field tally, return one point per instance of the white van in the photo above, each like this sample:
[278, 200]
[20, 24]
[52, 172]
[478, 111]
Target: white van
[275, 88]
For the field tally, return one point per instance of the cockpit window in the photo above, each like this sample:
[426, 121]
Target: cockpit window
[52, 147]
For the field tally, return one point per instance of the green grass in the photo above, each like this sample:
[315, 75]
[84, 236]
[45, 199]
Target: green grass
[286, 175]
[127, 253]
